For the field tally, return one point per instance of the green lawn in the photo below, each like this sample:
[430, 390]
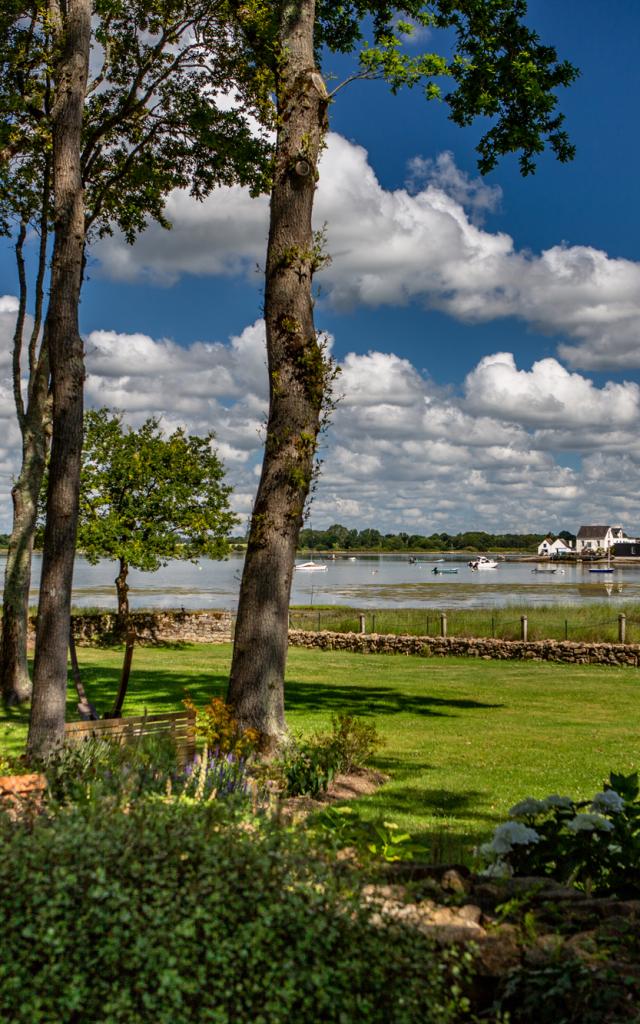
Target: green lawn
[464, 739]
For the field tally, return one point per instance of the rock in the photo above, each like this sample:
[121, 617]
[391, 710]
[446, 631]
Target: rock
[452, 881]
[498, 952]
[22, 794]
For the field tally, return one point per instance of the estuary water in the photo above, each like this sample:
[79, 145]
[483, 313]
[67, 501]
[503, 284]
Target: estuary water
[368, 581]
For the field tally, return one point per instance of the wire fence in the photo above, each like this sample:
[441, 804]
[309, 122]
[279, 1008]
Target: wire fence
[623, 627]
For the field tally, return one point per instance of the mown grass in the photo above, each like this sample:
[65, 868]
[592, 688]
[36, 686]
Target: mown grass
[596, 622]
[464, 739]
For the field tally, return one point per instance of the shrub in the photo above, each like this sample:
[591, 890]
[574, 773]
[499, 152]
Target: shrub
[351, 740]
[308, 767]
[221, 732]
[593, 844]
[98, 766]
[376, 839]
[173, 912]
[569, 991]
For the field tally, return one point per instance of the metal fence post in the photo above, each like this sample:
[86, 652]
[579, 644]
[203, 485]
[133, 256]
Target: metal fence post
[524, 627]
[318, 622]
[566, 630]
[373, 623]
[493, 628]
[363, 627]
[622, 628]
[443, 623]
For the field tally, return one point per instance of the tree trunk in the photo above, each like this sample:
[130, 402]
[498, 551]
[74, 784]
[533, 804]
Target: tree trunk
[33, 422]
[297, 378]
[126, 633]
[123, 685]
[122, 590]
[86, 709]
[16, 685]
[72, 26]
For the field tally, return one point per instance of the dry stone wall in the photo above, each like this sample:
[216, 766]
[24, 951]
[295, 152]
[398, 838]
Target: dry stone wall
[440, 647]
[217, 627]
[202, 627]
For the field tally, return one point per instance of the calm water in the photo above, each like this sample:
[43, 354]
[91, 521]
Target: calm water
[368, 582]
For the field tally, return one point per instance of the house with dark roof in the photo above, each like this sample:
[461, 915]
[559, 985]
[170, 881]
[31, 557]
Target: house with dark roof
[598, 538]
[551, 548]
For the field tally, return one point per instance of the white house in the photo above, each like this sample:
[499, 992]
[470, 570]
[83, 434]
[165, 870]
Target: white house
[552, 548]
[598, 538]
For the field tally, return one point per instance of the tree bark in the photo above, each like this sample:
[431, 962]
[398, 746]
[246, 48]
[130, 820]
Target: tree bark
[123, 685]
[72, 27]
[297, 378]
[16, 685]
[122, 590]
[32, 419]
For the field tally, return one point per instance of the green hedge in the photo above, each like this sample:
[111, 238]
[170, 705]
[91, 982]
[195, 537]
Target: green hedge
[175, 913]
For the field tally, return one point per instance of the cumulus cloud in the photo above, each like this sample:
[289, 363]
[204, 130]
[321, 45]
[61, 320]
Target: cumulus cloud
[422, 244]
[400, 452]
[548, 395]
[443, 173]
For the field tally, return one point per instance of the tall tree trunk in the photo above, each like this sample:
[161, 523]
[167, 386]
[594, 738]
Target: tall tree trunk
[72, 26]
[297, 376]
[16, 685]
[33, 419]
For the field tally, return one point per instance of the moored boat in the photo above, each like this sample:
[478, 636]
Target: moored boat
[310, 567]
[482, 562]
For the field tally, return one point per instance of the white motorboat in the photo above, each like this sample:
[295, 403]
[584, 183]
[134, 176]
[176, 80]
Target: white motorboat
[483, 563]
[310, 567]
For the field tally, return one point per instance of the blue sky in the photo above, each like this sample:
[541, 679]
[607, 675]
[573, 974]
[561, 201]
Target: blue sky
[488, 330]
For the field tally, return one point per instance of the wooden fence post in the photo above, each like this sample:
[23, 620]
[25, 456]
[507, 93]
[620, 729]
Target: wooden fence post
[523, 628]
[622, 628]
[363, 626]
[443, 624]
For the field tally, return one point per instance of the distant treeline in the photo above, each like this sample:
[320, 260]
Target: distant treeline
[340, 538]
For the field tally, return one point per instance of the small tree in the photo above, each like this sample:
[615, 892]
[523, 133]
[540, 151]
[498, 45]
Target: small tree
[146, 498]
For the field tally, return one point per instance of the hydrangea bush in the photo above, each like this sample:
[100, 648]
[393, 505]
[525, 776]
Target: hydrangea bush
[593, 844]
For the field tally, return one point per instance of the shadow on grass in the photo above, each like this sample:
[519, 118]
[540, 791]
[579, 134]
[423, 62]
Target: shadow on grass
[364, 700]
[155, 690]
[158, 689]
[455, 826]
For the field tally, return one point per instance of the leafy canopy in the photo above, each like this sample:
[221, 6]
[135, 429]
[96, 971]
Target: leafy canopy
[157, 113]
[146, 498]
[497, 66]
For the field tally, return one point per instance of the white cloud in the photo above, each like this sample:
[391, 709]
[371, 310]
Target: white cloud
[400, 451]
[442, 172]
[393, 247]
[548, 395]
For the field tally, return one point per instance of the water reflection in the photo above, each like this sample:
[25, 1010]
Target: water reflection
[369, 581]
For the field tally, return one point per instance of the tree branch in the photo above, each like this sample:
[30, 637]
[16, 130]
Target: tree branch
[42, 269]
[20, 319]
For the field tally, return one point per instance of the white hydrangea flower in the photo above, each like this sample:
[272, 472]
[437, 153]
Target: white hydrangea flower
[499, 869]
[510, 834]
[527, 807]
[589, 823]
[563, 802]
[608, 802]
